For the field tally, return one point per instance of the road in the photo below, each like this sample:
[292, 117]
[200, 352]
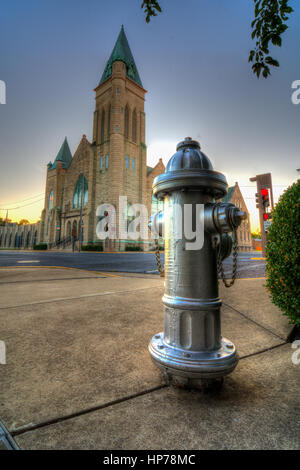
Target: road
[118, 262]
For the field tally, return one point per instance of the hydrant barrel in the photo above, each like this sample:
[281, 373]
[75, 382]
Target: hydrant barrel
[191, 346]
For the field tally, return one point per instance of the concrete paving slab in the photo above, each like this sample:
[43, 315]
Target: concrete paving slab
[251, 298]
[258, 408]
[63, 357]
[42, 274]
[24, 294]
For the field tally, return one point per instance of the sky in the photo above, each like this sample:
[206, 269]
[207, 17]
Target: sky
[192, 60]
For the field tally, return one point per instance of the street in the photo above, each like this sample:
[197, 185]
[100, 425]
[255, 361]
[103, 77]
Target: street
[249, 264]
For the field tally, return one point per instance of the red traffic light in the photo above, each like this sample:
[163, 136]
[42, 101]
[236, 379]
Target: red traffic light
[264, 192]
[266, 216]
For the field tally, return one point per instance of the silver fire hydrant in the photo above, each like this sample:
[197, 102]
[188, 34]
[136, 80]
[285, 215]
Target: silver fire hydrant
[191, 348]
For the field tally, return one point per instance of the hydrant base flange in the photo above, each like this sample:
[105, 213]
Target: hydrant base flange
[193, 364]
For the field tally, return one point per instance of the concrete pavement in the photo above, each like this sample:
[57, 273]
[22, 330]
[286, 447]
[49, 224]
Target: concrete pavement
[78, 373]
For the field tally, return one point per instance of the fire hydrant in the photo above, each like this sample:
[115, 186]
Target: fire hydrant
[191, 350]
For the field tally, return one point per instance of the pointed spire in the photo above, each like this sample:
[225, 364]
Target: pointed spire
[122, 52]
[64, 155]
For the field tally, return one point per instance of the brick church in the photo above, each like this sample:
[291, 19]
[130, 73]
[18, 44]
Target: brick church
[112, 165]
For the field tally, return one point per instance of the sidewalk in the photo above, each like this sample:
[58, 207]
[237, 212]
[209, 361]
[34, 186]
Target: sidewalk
[79, 376]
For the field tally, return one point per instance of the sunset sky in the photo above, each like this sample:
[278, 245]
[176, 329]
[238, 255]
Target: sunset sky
[192, 59]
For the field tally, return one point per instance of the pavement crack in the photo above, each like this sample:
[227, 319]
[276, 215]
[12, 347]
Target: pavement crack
[84, 296]
[59, 419]
[255, 322]
[56, 279]
[263, 351]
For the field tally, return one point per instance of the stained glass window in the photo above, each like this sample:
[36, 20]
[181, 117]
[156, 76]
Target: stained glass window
[78, 197]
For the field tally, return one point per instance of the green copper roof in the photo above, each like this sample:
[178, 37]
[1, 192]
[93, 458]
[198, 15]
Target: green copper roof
[229, 194]
[64, 155]
[149, 169]
[122, 52]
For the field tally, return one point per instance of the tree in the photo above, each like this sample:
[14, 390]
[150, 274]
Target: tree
[4, 221]
[270, 17]
[24, 222]
[256, 234]
[283, 254]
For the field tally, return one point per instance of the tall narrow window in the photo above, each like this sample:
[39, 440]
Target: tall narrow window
[133, 163]
[51, 200]
[126, 122]
[80, 196]
[127, 162]
[134, 126]
[102, 125]
[108, 121]
[106, 162]
[95, 129]
[101, 163]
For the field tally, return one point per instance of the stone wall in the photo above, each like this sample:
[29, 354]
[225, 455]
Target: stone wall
[19, 236]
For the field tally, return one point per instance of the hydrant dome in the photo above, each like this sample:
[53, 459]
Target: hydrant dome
[190, 168]
[189, 156]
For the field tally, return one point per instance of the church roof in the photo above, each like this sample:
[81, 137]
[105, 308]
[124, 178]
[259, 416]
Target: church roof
[229, 194]
[64, 155]
[122, 52]
[149, 169]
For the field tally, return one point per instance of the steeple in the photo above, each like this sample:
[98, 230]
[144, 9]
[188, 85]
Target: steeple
[64, 155]
[122, 52]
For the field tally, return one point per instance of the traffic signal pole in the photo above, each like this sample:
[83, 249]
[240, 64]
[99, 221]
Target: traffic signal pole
[264, 197]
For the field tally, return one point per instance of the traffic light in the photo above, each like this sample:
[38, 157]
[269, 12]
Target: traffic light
[258, 199]
[265, 198]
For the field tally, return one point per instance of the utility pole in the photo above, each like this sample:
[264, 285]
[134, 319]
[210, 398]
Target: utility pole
[263, 197]
[81, 206]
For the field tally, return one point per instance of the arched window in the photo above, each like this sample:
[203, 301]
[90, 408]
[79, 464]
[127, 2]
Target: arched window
[74, 229]
[10, 238]
[108, 121]
[69, 229]
[35, 238]
[51, 200]
[80, 196]
[134, 126]
[126, 122]
[102, 125]
[28, 239]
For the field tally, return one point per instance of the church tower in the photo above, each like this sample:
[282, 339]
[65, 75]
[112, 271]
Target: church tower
[119, 132]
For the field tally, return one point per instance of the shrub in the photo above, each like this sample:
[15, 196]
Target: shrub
[283, 254]
[92, 248]
[132, 248]
[40, 246]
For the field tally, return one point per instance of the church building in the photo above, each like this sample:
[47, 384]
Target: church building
[113, 164]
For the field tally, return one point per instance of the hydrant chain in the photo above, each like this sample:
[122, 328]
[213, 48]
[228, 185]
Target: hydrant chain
[158, 260]
[234, 265]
